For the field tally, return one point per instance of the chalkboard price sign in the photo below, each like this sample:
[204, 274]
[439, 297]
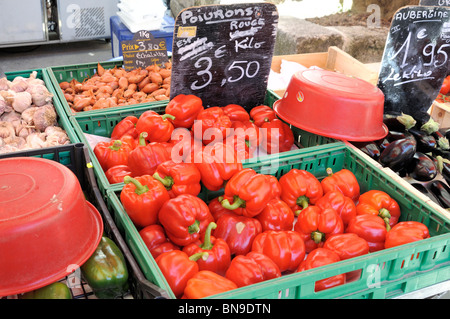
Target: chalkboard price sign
[415, 59]
[223, 53]
[143, 50]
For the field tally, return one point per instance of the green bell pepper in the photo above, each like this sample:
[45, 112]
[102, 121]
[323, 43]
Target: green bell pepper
[56, 290]
[106, 270]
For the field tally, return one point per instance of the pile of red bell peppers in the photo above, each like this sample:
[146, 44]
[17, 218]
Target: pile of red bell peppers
[187, 132]
[261, 227]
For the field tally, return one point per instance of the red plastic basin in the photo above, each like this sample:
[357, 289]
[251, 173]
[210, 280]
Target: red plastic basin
[333, 105]
[47, 228]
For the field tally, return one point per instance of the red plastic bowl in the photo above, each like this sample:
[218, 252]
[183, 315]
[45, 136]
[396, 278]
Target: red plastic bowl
[47, 228]
[333, 105]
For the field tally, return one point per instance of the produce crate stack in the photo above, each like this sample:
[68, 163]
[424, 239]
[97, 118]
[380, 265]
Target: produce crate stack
[81, 73]
[76, 157]
[381, 273]
[102, 120]
[102, 123]
[384, 274]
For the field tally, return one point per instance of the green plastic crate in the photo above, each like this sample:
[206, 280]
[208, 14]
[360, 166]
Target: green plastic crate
[76, 158]
[80, 72]
[385, 274]
[63, 120]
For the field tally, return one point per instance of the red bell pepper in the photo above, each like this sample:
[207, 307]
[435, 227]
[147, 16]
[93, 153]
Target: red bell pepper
[249, 133]
[219, 256]
[145, 158]
[112, 153]
[277, 215]
[343, 205]
[212, 125]
[236, 113]
[177, 268]
[155, 239]
[251, 269]
[348, 245]
[371, 228]
[179, 178]
[321, 257]
[185, 218]
[261, 114]
[406, 232]
[445, 88]
[142, 197]
[379, 203]
[285, 247]
[206, 283]
[299, 188]
[158, 127]
[117, 173]
[239, 146]
[238, 231]
[344, 181]
[125, 126]
[130, 140]
[247, 193]
[315, 225]
[217, 164]
[185, 109]
[185, 146]
[217, 210]
[276, 137]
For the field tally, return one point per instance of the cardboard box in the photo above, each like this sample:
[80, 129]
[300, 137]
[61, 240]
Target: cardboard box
[440, 112]
[334, 60]
[119, 33]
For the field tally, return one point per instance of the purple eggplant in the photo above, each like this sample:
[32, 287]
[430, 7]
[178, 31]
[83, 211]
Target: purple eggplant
[441, 191]
[426, 192]
[425, 142]
[397, 121]
[369, 148]
[421, 167]
[398, 154]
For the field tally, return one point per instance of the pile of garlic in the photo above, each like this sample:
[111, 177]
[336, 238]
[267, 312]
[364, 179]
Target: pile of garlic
[28, 119]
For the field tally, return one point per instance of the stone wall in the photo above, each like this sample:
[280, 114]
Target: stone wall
[296, 36]
[387, 7]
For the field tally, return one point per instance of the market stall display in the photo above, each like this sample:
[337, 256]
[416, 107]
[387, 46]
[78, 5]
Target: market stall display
[75, 157]
[84, 79]
[417, 150]
[117, 87]
[373, 189]
[113, 123]
[243, 201]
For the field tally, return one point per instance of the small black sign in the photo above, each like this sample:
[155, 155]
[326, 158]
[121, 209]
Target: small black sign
[223, 53]
[143, 50]
[416, 58]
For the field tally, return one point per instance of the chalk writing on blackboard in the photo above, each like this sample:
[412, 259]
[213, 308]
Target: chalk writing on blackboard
[223, 53]
[143, 50]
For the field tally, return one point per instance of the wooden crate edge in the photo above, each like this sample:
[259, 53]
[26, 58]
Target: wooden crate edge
[334, 60]
[440, 112]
